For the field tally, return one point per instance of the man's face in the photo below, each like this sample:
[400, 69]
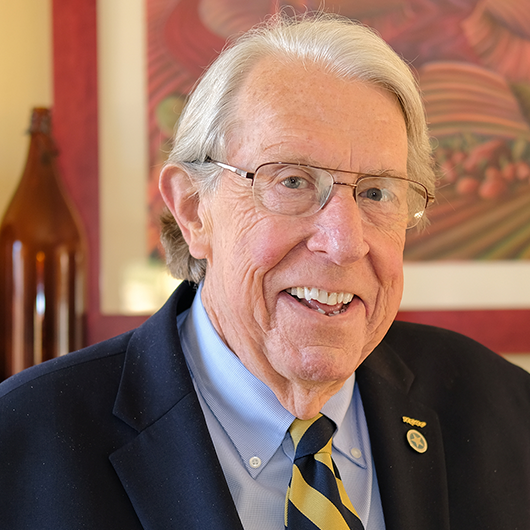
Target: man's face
[255, 258]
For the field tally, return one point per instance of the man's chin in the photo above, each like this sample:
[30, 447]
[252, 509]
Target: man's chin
[306, 386]
[316, 365]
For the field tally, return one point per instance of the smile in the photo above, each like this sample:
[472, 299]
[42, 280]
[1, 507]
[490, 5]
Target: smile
[324, 302]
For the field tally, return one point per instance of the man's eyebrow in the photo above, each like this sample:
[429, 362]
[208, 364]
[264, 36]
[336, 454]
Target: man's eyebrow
[386, 173]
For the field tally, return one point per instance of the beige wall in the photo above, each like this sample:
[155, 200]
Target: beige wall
[130, 282]
[25, 81]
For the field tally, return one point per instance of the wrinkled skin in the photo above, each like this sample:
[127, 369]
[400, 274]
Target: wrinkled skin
[299, 114]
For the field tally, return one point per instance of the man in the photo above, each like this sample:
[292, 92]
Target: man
[300, 162]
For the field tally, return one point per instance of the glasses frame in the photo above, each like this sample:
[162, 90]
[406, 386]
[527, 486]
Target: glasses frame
[429, 197]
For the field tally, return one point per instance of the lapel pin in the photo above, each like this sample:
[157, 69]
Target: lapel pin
[413, 422]
[417, 441]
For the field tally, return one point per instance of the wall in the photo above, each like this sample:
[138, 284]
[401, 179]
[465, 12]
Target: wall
[25, 82]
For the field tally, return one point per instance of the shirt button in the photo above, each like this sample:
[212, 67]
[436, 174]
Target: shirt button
[356, 453]
[255, 462]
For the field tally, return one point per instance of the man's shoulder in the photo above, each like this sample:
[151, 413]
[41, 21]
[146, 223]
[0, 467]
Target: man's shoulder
[441, 354]
[421, 334]
[89, 366]
[84, 365]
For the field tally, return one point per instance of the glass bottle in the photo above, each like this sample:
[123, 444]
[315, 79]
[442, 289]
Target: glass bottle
[42, 262]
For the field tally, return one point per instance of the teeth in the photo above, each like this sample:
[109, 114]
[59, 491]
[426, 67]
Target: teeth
[324, 297]
[347, 298]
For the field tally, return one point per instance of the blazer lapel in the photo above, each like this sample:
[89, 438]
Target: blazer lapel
[413, 484]
[172, 476]
[170, 470]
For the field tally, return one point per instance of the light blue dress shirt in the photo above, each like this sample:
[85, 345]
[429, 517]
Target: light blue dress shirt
[249, 429]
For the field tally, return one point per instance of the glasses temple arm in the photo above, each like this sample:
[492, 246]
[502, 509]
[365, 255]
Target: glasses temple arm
[237, 171]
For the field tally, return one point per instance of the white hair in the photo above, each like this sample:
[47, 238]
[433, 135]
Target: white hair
[338, 45]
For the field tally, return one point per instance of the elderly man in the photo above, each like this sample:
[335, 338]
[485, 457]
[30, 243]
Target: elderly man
[299, 163]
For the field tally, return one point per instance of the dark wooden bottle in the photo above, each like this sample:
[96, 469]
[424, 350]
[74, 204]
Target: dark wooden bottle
[42, 262]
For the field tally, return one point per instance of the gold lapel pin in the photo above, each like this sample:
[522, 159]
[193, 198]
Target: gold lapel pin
[417, 441]
[413, 422]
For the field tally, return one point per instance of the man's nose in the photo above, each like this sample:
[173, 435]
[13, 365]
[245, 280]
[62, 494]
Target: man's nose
[338, 229]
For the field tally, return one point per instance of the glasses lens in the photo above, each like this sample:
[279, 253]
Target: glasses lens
[289, 189]
[390, 202]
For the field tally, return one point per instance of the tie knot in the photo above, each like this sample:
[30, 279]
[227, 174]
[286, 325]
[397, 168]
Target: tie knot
[311, 436]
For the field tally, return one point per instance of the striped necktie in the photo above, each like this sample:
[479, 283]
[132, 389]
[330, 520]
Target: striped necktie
[316, 498]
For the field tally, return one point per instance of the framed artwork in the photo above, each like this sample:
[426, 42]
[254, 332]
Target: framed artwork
[472, 60]
[469, 270]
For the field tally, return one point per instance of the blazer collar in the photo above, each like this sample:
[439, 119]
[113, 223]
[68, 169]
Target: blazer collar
[170, 469]
[155, 376]
[413, 485]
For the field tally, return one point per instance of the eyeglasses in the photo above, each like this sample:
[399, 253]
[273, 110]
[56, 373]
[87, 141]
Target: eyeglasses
[300, 190]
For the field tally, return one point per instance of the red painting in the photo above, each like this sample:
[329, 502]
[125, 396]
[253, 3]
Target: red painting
[472, 60]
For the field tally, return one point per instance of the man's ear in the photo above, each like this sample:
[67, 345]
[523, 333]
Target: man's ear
[181, 197]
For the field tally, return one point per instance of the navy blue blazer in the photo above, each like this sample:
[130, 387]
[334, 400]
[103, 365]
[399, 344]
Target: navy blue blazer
[113, 437]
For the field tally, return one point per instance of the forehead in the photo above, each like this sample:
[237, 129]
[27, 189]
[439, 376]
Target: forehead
[293, 110]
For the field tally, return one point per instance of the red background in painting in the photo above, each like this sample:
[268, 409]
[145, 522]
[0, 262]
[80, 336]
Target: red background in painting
[76, 131]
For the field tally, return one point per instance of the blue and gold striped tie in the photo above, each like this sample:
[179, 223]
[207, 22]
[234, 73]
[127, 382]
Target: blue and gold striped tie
[316, 498]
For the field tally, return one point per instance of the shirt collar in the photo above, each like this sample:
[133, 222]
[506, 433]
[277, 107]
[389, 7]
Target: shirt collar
[246, 408]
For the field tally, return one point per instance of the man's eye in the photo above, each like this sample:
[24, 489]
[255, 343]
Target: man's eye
[295, 183]
[377, 194]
